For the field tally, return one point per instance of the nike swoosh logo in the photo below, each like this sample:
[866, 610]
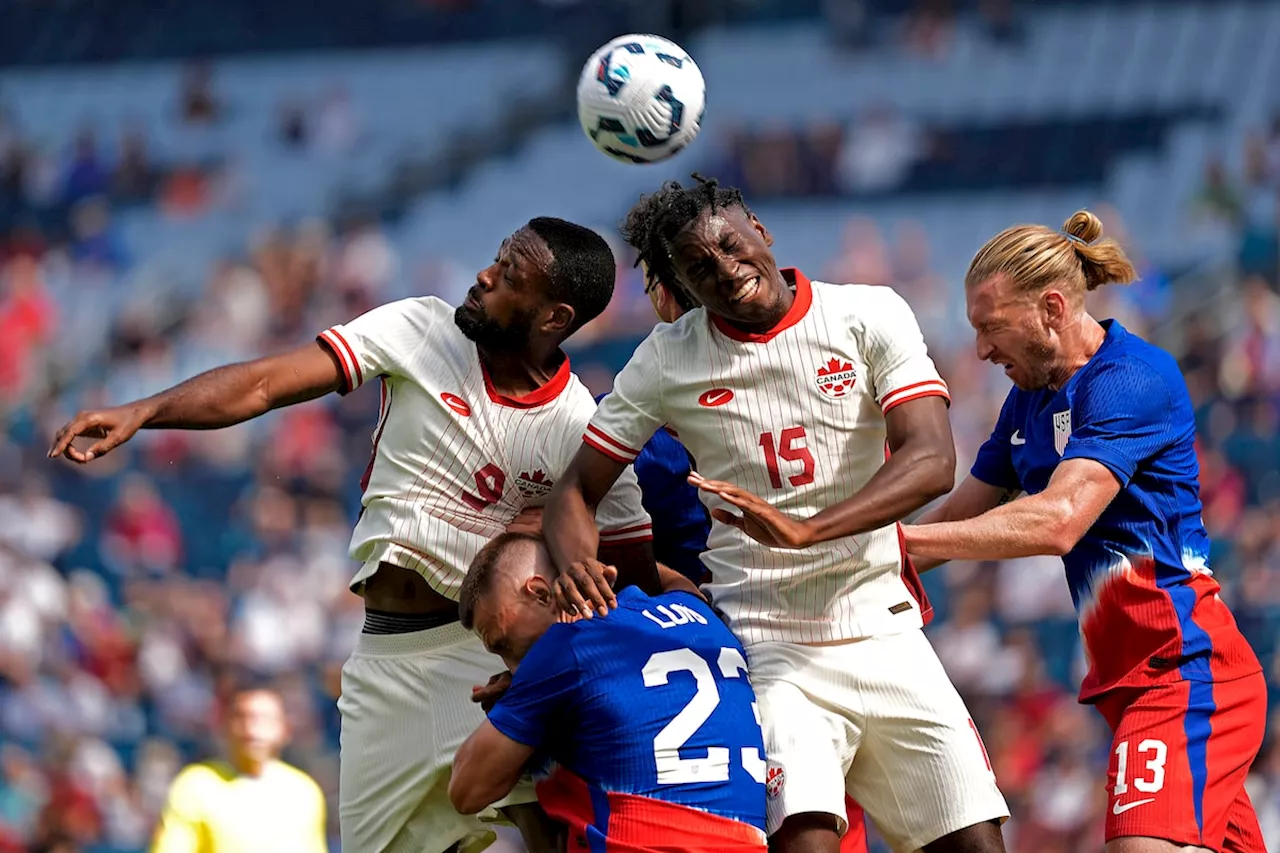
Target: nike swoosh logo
[1119, 809]
[1016, 439]
[715, 397]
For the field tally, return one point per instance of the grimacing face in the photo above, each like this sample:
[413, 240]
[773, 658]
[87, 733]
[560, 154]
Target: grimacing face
[515, 613]
[1013, 331]
[723, 258]
[501, 308]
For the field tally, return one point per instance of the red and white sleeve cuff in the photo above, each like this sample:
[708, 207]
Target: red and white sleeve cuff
[907, 393]
[351, 371]
[635, 533]
[609, 446]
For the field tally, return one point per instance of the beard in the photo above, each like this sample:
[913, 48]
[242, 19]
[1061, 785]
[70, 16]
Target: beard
[1039, 360]
[488, 334]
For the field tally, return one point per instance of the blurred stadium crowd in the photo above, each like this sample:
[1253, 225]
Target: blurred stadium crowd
[133, 590]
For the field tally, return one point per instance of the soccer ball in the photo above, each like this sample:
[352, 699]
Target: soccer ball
[641, 99]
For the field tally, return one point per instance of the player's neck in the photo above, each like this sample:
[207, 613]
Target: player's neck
[251, 768]
[1080, 342]
[515, 374]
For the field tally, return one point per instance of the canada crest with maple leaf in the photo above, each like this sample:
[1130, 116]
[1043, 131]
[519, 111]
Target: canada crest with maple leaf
[836, 378]
[535, 485]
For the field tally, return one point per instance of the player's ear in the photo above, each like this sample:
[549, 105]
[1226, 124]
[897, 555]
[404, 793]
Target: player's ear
[1057, 310]
[539, 589]
[759, 226]
[559, 319]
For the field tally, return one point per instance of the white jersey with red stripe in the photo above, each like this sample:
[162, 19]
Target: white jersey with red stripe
[454, 461]
[797, 416]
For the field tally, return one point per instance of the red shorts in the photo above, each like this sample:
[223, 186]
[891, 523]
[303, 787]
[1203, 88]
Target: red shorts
[1179, 759]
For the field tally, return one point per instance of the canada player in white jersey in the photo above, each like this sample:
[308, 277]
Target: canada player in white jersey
[480, 415]
[796, 390]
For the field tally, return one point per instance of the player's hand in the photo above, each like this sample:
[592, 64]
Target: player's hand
[585, 589]
[112, 426]
[528, 521]
[759, 519]
[489, 695]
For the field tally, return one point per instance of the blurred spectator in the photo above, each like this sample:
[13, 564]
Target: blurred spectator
[1218, 200]
[198, 103]
[879, 150]
[94, 243]
[135, 178]
[337, 127]
[141, 533]
[28, 320]
[86, 174]
[292, 125]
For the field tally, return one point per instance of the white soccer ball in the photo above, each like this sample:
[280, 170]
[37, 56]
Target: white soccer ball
[641, 98]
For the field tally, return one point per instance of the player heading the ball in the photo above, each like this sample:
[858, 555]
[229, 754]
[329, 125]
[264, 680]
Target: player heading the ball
[793, 388]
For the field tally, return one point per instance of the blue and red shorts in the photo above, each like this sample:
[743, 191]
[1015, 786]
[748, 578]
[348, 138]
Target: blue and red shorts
[1179, 758]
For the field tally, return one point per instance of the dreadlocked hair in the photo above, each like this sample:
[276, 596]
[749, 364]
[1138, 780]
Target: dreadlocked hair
[657, 218]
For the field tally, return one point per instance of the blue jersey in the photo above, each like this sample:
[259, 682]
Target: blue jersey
[650, 710]
[1147, 603]
[681, 523]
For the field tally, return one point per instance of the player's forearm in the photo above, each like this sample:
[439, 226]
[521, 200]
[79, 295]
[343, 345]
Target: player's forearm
[906, 482]
[239, 392]
[569, 524]
[479, 777]
[214, 399]
[1024, 528]
[970, 499]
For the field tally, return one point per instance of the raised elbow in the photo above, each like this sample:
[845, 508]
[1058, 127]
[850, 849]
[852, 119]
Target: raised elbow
[1059, 533]
[938, 475]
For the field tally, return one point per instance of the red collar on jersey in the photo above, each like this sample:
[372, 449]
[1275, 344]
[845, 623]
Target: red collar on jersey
[539, 396]
[799, 307]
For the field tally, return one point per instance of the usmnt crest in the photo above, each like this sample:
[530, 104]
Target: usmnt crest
[534, 486]
[1061, 430]
[836, 378]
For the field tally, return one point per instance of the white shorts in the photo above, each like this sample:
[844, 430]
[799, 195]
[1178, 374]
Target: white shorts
[406, 709]
[879, 719]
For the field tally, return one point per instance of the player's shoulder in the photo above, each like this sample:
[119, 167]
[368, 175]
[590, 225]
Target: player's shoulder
[861, 305]
[296, 779]
[1133, 363]
[202, 776]
[424, 309]
[689, 330]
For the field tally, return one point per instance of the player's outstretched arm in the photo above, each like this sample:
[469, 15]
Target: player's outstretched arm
[1051, 522]
[217, 398]
[921, 467]
[487, 767]
[569, 529]
[971, 498]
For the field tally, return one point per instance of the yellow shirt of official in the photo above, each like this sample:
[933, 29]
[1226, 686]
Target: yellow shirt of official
[212, 808]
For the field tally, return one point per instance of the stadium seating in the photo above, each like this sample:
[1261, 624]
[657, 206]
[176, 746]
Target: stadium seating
[1092, 102]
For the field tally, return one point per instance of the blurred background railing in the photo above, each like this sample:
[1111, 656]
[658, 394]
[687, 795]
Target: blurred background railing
[186, 184]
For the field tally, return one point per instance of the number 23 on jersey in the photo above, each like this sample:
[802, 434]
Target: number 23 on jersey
[671, 767]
